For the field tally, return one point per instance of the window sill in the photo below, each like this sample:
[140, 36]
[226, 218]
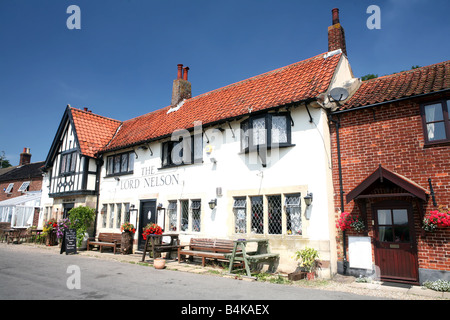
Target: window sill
[118, 174]
[441, 143]
[255, 149]
[172, 166]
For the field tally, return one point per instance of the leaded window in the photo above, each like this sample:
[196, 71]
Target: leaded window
[196, 215]
[257, 215]
[184, 204]
[274, 214]
[172, 212]
[293, 214]
[240, 215]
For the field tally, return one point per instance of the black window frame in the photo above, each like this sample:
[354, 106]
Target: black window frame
[112, 161]
[67, 163]
[167, 149]
[248, 133]
[445, 105]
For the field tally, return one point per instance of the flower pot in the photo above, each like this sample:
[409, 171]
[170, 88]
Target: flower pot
[51, 239]
[159, 263]
[127, 242]
[310, 276]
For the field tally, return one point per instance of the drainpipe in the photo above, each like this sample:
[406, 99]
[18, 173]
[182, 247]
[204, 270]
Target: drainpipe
[341, 188]
[99, 162]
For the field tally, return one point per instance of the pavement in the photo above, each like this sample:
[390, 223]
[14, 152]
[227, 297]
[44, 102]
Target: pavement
[386, 290]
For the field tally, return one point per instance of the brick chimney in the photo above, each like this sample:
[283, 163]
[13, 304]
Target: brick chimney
[181, 86]
[25, 157]
[336, 35]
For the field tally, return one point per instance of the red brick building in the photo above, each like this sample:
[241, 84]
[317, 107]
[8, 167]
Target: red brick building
[391, 153]
[16, 180]
[20, 191]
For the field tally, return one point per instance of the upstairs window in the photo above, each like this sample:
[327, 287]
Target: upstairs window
[268, 131]
[68, 163]
[185, 151]
[24, 186]
[9, 188]
[436, 122]
[122, 163]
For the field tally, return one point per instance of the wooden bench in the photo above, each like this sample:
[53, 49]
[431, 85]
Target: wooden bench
[206, 249]
[113, 240]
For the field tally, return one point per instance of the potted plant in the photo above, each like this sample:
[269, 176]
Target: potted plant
[49, 231]
[436, 219]
[81, 218]
[62, 225]
[308, 261]
[128, 231]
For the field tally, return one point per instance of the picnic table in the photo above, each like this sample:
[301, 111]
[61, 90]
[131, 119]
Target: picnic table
[155, 244]
[240, 253]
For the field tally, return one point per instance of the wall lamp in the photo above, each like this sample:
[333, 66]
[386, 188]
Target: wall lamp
[212, 204]
[308, 198]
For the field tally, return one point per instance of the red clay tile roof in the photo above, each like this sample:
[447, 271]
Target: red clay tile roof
[297, 82]
[418, 81]
[93, 131]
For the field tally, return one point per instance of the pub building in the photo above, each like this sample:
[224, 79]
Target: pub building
[249, 160]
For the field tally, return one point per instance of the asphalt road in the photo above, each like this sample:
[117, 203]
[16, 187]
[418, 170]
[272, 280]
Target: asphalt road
[32, 275]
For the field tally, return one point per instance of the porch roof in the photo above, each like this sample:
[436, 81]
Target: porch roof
[382, 173]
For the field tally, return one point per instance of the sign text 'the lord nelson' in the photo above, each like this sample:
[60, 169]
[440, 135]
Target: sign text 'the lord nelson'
[150, 179]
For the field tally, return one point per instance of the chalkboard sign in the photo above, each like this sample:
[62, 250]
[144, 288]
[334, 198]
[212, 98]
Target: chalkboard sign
[69, 241]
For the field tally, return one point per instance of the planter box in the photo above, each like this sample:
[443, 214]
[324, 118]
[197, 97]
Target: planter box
[295, 276]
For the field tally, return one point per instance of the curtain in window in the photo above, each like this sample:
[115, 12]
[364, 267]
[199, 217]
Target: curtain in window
[240, 215]
[259, 131]
[279, 129]
[293, 215]
[435, 122]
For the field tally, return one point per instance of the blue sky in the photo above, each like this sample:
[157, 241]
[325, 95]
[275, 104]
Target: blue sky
[123, 60]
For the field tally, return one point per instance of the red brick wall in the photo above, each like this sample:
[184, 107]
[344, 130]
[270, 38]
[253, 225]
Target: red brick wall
[392, 135]
[35, 185]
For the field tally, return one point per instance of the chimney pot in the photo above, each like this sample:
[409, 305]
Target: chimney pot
[185, 74]
[335, 12]
[25, 157]
[180, 71]
[181, 86]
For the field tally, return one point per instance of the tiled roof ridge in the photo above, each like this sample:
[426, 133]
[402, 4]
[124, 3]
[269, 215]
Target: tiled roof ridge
[401, 85]
[241, 82]
[94, 114]
[400, 73]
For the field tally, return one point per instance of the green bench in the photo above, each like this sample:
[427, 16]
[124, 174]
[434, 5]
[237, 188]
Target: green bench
[240, 254]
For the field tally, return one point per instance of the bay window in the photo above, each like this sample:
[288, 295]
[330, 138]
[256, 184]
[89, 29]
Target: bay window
[268, 130]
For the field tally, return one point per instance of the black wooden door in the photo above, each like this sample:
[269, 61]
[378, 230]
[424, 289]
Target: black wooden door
[395, 243]
[147, 215]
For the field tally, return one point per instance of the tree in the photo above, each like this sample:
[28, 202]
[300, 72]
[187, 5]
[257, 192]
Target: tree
[4, 163]
[369, 76]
